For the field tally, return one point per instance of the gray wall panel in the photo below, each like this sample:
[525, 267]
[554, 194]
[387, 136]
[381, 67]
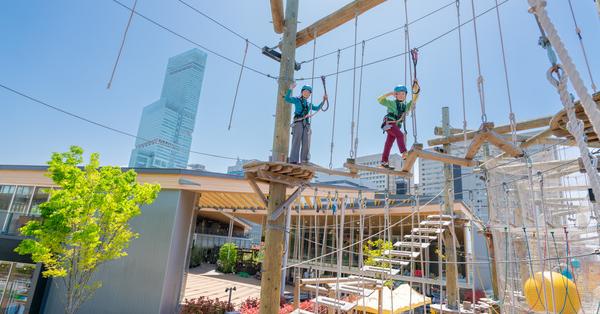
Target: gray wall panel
[134, 283]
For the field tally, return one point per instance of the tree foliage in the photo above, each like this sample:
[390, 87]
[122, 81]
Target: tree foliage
[85, 222]
[228, 257]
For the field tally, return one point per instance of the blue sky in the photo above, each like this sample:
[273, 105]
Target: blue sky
[62, 52]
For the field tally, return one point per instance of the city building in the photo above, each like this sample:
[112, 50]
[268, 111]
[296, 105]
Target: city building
[166, 126]
[238, 168]
[381, 181]
[196, 167]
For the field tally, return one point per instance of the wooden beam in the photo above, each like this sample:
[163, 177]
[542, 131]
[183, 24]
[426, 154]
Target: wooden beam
[277, 14]
[506, 146]
[252, 181]
[476, 143]
[439, 131]
[446, 158]
[335, 19]
[355, 167]
[521, 126]
[409, 162]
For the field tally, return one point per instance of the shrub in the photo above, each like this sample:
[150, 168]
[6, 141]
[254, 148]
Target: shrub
[204, 305]
[196, 257]
[227, 257]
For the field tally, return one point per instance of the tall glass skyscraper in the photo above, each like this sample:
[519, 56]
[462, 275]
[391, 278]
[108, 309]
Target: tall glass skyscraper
[165, 131]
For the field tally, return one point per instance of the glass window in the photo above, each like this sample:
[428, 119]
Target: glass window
[16, 282]
[39, 196]
[21, 201]
[6, 194]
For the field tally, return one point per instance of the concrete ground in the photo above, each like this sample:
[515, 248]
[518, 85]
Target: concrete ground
[206, 281]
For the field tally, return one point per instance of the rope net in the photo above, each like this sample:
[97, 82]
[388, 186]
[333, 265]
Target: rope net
[546, 224]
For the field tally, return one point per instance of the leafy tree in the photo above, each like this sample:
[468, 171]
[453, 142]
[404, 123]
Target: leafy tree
[374, 249]
[228, 257]
[85, 223]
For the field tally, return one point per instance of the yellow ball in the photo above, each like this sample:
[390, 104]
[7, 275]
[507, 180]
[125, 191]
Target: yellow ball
[566, 298]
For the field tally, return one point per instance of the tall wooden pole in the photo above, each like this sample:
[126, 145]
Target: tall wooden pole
[271, 276]
[451, 266]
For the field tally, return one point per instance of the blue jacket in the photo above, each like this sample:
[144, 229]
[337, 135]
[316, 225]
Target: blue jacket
[301, 105]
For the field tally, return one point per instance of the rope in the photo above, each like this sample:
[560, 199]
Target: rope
[362, 60]
[537, 228]
[312, 80]
[337, 70]
[237, 87]
[578, 32]
[511, 115]
[575, 127]
[108, 127]
[414, 53]
[546, 248]
[462, 75]
[352, 153]
[571, 263]
[191, 41]
[404, 53]
[587, 102]
[479, 77]
[112, 75]
[380, 34]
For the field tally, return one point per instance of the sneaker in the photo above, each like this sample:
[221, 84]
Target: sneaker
[385, 164]
[404, 155]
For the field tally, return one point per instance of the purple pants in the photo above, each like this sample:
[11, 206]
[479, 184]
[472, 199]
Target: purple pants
[393, 133]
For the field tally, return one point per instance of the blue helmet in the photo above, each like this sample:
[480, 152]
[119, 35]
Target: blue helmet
[307, 87]
[400, 88]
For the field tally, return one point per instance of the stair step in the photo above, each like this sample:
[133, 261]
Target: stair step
[412, 244]
[440, 217]
[361, 279]
[427, 230]
[435, 223]
[334, 303]
[420, 237]
[381, 270]
[353, 290]
[300, 311]
[391, 261]
[408, 254]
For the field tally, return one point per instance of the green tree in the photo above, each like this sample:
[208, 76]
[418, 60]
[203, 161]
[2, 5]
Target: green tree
[228, 257]
[85, 223]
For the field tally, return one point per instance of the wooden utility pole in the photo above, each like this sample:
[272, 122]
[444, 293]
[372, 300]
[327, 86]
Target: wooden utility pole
[271, 276]
[451, 267]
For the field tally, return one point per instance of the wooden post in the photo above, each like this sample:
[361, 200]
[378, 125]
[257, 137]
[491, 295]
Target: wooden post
[492, 253]
[380, 300]
[451, 266]
[297, 293]
[331, 294]
[271, 276]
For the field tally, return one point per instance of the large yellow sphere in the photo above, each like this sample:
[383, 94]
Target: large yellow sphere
[565, 298]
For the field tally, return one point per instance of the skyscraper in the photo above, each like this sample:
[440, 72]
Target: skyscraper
[166, 126]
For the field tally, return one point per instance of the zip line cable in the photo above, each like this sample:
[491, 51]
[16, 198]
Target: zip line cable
[220, 24]
[112, 75]
[379, 35]
[446, 33]
[105, 126]
[193, 42]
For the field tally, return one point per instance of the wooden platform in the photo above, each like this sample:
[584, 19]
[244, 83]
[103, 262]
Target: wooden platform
[286, 173]
[558, 124]
[355, 168]
[486, 133]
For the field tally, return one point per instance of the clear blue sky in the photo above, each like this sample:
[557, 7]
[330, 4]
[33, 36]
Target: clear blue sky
[62, 52]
